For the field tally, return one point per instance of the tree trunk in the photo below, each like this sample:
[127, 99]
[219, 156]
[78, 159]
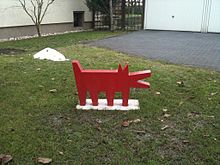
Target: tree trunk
[111, 15]
[38, 27]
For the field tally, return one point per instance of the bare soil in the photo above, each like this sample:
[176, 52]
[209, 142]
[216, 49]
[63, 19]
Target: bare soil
[10, 51]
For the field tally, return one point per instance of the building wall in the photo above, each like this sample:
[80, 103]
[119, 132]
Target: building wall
[14, 22]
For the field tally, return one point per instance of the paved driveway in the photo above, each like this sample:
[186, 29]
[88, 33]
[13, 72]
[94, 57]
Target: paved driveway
[197, 49]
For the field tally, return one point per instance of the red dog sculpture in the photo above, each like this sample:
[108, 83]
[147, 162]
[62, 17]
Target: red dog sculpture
[108, 81]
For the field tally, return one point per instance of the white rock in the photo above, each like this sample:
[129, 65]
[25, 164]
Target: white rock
[50, 54]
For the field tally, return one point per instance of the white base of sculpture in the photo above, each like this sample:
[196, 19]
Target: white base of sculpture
[132, 105]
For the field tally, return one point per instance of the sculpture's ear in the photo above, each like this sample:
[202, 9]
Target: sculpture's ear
[119, 68]
[125, 70]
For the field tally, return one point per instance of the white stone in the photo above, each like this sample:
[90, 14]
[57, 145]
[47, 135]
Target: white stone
[132, 105]
[50, 54]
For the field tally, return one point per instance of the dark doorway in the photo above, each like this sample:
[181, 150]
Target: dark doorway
[78, 18]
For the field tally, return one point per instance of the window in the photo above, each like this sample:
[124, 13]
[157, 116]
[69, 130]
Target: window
[78, 18]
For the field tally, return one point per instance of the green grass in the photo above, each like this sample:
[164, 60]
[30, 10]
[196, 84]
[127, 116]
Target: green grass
[56, 41]
[36, 123]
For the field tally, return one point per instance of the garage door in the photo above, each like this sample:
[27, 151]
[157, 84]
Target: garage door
[182, 15]
[214, 20]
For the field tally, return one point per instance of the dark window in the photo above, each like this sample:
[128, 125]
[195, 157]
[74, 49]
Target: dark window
[78, 17]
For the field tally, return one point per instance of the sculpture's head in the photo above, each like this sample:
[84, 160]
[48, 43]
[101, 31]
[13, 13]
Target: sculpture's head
[134, 78]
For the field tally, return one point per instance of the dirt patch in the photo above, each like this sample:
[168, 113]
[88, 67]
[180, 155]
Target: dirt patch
[10, 51]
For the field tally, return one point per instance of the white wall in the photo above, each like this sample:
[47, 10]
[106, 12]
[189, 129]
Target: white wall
[61, 11]
[214, 21]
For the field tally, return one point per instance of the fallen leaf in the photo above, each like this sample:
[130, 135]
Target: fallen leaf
[193, 114]
[61, 153]
[166, 115]
[98, 121]
[135, 121]
[164, 127]
[180, 83]
[189, 114]
[44, 160]
[212, 116]
[185, 141]
[214, 93]
[98, 128]
[125, 123]
[53, 91]
[4, 159]
[157, 93]
[139, 132]
[181, 102]
[165, 110]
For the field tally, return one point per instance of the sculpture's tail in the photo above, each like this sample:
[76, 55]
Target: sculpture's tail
[77, 71]
[76, 67]
[78, 77]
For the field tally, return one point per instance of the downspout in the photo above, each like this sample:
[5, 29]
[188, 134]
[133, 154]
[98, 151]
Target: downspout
[206, 15]
[145, 13]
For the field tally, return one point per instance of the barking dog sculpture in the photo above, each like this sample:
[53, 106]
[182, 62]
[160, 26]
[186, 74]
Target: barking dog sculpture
[108, 81]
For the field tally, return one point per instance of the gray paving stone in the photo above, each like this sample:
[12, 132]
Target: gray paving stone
[196, 49]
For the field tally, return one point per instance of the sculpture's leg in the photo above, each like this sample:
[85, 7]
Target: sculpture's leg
[125, 96]
[110, 98]
[94, 97]
[82, 97]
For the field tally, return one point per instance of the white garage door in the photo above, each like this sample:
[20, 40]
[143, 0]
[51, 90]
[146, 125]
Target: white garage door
[214, 20]
[182, 15]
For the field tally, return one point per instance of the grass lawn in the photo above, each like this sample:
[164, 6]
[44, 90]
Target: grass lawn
[179, 123]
